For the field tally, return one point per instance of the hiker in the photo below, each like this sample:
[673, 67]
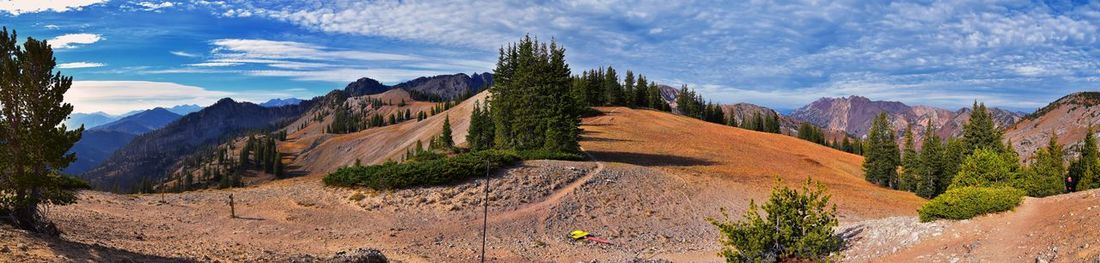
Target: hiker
[1070, 186]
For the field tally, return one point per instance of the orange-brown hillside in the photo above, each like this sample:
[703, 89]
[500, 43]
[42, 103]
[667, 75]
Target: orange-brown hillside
[746, 161]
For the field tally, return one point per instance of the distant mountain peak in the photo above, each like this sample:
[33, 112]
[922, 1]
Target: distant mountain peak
[223, 101]
[277, 102]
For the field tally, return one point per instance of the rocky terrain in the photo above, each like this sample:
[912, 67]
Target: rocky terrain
[1068, 117]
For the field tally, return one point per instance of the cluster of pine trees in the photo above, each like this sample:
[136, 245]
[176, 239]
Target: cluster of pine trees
[480, 136]
[262, 154]
[759, 122]
[345, 121]
[532, 107]
[978, 158]
[812, 133]
[600, 87]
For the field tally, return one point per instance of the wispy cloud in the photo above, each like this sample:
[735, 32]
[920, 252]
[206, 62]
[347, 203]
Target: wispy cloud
[117, 97]
[74, 65]
[1003, 51]
[18, 7]
[310, 62]
[184, 54]
[68, 41]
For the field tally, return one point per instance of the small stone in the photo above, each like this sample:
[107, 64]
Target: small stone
[21, 246]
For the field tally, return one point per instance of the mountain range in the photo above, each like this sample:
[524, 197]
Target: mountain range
[153, 155]
[99, 142]
[854, 114]
[1068, 117]
[281, 102]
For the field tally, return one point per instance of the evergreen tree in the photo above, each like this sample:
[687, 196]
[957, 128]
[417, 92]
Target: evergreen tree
[1084, 172]
[882, 160]
[446, 136]
[612, 87]
[980, 132]
[628, 90]
[910, 162]
[641, 93]
[1045, 175]
[986, 168]
[480, 135]
[532, 102]
[772, 124]
[34, 144]
[930, 169]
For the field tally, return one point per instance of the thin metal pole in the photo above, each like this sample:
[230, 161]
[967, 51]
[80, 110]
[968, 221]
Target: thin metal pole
[485, 218]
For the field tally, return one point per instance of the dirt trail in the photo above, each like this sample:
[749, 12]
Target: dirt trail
[1052, 229]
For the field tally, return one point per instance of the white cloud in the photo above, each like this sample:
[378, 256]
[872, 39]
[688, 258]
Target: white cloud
[117, 97]
[80, 65]
[184, 54]
[73, 40]
[18, 7]
[53, 27]
[215, 64]
[151, 6]
[269, 49]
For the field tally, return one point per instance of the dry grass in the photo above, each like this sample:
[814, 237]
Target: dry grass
[747, 161]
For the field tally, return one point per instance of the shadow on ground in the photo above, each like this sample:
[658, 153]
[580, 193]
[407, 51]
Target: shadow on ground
[79, 252]
[648, 159]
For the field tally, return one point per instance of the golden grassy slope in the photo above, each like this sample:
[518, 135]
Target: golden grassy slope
[746, 161]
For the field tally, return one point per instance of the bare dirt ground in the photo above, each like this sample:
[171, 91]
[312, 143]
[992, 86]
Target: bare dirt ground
[657, 178]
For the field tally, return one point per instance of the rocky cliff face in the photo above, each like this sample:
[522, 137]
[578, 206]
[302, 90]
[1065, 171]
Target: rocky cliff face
[447, 86]
[854, 115]
[1068, 117]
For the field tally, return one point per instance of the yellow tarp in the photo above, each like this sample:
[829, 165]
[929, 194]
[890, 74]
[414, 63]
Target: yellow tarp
[578, 234]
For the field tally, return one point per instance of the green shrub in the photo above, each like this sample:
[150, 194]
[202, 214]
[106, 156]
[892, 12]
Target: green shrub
[394, 175]
[968, 202]
[427, 169]
[987, 168]
[798, 227]
[549, 155]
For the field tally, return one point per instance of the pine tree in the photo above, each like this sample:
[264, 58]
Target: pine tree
[641, 93]
[612, 87]
[910, 162]
[628, 90]
[446, 136]
[34, 144]
[981, 132]
[930, 170]
[882, 160]
[532, 101]
[1084, 172]
[1045, 175]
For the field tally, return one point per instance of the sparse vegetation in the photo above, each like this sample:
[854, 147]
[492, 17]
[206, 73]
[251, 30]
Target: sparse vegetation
[798, 227]
[968, 202]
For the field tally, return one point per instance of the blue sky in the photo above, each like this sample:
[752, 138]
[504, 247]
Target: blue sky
[128, 55]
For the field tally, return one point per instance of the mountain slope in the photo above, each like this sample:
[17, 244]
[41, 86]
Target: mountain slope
[320, 154]
[683, 145]
[149, 156]
[1068, 117]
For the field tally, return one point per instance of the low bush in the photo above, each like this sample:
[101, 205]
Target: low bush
[798, 227]
[549, 155]
[968, 202]
[434, 169]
